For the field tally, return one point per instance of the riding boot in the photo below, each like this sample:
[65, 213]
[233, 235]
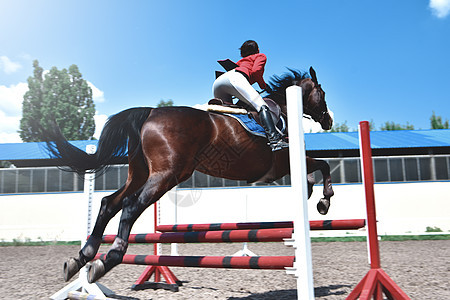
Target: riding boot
[275, 138]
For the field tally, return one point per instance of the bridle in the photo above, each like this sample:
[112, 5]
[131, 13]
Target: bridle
[315, 117]
[316, 112]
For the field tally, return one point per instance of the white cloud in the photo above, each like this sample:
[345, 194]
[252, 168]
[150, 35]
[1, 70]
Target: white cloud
[8, 66]
[440, 8]
[311, 126]
[11, 98]
[100, 121]
[97, 95]
[11, 111]
[9, 125]
[9, 138]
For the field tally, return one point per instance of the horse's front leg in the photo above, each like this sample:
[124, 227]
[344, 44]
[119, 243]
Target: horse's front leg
[109, 207]
[313, 165]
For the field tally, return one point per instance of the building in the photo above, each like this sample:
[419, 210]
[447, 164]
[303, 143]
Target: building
[399, 156]
[412, 173]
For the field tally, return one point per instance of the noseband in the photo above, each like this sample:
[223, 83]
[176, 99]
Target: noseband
[318, 117]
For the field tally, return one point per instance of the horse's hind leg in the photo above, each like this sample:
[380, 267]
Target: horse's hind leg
[133, 206]
[108, 210]
[110, 206]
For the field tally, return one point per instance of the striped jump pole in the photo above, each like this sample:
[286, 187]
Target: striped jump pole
[376, 282]
[349, 224]
[222, 236]
[228, 262]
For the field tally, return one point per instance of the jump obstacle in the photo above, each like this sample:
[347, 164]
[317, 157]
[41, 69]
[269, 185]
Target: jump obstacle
[374, 284]
[223, 236]
[313, 225]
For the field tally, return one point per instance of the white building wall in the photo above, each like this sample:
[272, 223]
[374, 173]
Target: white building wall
[401, 208]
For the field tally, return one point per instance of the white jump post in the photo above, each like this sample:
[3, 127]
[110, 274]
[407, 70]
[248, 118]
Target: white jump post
[81, 283]
[302, 268]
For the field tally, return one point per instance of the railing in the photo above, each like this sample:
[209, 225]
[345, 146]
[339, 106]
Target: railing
[343, 170]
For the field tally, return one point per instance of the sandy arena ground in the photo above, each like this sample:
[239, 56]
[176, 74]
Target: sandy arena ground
[420, 268]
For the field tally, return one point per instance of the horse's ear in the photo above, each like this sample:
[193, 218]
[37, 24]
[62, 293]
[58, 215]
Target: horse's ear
[313, 75]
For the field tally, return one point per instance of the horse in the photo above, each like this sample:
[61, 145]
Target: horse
[165, 145]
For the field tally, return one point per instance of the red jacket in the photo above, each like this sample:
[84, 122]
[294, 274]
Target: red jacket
[253, 66]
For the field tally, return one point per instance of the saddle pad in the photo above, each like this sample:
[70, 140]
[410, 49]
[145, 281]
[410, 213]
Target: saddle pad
[249, 124]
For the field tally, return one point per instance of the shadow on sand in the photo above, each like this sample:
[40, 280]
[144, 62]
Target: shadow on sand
[323, 291]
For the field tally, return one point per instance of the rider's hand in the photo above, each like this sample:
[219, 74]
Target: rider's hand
[268, 89]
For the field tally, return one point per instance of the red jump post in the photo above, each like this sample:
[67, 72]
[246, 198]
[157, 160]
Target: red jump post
[143, 282]
[376, 282]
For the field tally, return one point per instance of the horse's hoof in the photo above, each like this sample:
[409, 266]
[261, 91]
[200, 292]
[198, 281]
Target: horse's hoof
[322, 206]
[71, 267]
[96, 270]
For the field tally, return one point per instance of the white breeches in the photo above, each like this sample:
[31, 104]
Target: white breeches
[233, 83]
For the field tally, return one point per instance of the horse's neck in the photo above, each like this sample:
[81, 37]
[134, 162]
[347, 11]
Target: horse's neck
[307, 86]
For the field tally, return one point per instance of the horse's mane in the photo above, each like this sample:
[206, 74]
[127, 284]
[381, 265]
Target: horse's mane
[279, 84]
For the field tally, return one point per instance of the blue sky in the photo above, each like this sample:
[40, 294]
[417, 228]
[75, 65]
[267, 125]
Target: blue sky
[377, 60]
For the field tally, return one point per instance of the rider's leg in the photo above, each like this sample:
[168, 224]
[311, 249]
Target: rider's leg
[222, 88]
[275, 139]
[245, 92]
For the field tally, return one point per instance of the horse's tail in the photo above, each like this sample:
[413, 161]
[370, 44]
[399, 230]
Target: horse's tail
[121, 130]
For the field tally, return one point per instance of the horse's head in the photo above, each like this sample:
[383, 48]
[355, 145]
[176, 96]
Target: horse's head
[314, 103]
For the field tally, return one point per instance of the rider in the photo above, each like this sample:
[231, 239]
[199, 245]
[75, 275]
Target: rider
[238, 83]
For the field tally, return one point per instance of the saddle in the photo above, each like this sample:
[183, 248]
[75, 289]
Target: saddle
[241, 107]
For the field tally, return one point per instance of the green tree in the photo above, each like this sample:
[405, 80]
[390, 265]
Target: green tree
[62, 96]
[394, 126]
[5, 164]
[163, 103]
[340, 127]
[436, 122]
[343, 127]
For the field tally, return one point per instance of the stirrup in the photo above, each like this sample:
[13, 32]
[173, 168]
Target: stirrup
[278, 145]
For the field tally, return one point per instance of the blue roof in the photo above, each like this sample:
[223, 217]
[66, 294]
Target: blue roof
[379, 139]
[25, 151]
[411, 138]
[314, 141]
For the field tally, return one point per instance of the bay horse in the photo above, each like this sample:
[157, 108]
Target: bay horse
[165, 145]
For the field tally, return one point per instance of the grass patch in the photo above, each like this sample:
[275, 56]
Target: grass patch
[37, 243]
[433, 229]
[398, 238]
[339, 239]
[425, 237]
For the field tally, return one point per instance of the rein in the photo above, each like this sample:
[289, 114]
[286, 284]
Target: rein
[309, 113]
[316, 116]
